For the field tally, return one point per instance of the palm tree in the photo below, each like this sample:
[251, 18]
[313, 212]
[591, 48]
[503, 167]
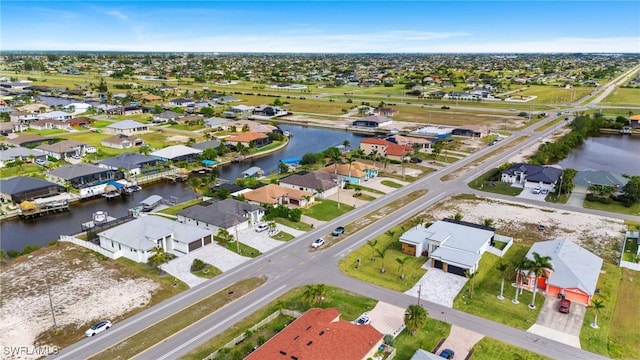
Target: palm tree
[159, 256]
[402, 261]
[346, 144]
[350, 161]
[360, 153]
[374, 155]
[309, 295]
[224, 236]
[502, 267]
[381, 253]
[372, 243]
[471, 276]
[415, 317]
[519, 266]
[487, 222]
[197, 185]
[437, 149]
[390, 233]
[597, 306]
[537, 268]
[416, 148]
[321, 293]
[335, 157]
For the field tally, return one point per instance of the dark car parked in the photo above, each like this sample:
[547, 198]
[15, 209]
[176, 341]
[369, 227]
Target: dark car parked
[338, 231]
[565, 306]
[447, 354]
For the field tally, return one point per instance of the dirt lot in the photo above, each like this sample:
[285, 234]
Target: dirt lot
[600, 235]
[83, 289]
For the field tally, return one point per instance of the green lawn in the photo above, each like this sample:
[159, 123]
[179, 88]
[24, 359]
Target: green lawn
[630, 250]
[24, 170]
[101, 124]
[558, 199]
[283, 236]
[208, 272]
[390, 183]
[294, 225]
[491, 349]
[186, 127]
[622, 97]
[616, 207]
[425, 338]
[617, 335]
[484, 183]
[242, 249]
[484, 301]
[174, 210]
[46, 132]
[371, 263]
[325, 210]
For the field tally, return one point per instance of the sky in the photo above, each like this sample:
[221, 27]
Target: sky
[322, 26]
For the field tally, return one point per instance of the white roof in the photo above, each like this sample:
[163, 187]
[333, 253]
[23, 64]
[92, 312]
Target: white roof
[127, 124]
[175, 151]
[459, 236]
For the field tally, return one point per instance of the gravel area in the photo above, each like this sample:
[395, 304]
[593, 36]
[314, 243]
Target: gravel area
[438, 286]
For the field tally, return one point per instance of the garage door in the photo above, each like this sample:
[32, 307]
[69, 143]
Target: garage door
[195, 245]
[456, 270]
[437, 264]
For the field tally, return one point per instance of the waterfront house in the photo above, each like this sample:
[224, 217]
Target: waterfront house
[320, 334]
[272, 194]
[386, 112]
[248, 139]
[269, 111]
[121, 141]
[63, 149]
[373, 121]
[217, 123]
[88, 178]
[177, 153]
[354, 173]
[20, 188]
[320, 183]
[228, 214]
[575, 271]
[20, 153]
[385, 148]
[253, 126]
[238, 111]
[127, 127]
[133, 163]
[530, 176]
[136, 239]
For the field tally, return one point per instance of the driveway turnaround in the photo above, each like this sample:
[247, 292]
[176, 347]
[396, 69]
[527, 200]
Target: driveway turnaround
[438, 286]
[552, 324]
[461, 341]
[528, 194]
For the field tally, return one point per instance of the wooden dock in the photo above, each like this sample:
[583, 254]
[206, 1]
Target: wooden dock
[44, 210]
[176, 177]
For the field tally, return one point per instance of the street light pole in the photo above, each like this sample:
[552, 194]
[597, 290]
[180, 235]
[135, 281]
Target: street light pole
[55, 324]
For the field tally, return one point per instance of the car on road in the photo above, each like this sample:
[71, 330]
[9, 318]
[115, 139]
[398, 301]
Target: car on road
[447, 354]
[317, 243]
[262, 227]
[41, 162]
[98, 328]
[492, 143]
[444, 107]
[565, 306]
[338, 231]
[363, 320]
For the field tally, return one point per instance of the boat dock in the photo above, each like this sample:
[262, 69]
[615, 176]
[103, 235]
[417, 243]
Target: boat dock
[28, 212]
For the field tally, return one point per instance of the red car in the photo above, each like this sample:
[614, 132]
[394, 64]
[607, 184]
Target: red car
[565, 305]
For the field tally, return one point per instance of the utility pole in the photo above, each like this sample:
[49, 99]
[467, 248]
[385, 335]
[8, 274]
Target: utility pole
[419, 292]
[55, 325]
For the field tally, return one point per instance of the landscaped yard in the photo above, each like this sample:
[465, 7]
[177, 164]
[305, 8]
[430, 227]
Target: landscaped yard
[208, 272]
[390, 183]
[24, 170]
[425, 338]
[492, 349]
[617, 336]
[294, 225]
[325, 210]
[484, 183]
[282, 236]
[484, 301]
[174, 210]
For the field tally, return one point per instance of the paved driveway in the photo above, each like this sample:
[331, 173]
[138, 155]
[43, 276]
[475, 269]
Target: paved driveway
[387, 318]
[461, 341]
[528, 194]
[438, 286]
[262, 241]
[560, 327]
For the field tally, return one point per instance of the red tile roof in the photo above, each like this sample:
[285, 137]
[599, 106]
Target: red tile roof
[376, 141]
[319, 335]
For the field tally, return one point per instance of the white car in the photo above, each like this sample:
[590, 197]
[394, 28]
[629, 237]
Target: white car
[536, 190]
[91, 150]
[317, 243]
[41, 162]
[262, 227]
[363, 320]
[98, 328]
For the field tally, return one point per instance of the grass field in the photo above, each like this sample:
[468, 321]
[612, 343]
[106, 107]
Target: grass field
[295, 225]
[547, 94]
[484, 184]
[622, 97]
[208, 272]
[32, 170]
[491, 349]
[616, 207]
[326, 210]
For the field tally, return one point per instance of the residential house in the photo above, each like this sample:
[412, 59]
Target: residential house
[354, 173]
[253, 126]
[386, 112]
[23, 116]
[133, 163]
[125, 110]
[182, 102]
[217, 123]
[409, 141]
[127, 127]
[575, 271]
[227, 214]
[471, 131]
[20, 188]
[433, 132]
[209, 144]
[177, 153]
[80, 121]
[634, 121]
[531, 176]
[453, 246]
[55, 115]
[238, 111]
[46, 124]
[586, 178]
[373, 121]
[77, 108]
[165, 116]
[88, 178]
[29, 140]
[273, 194]
[20, 153]
[319, 334]
[385, 148]
[269, 111]
[12, 127]
[121, 141]
[248, 138]
[63, 149]
[320, 183]
[136, 239]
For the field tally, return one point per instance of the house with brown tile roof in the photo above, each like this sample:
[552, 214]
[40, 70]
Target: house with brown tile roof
[356, 173]
[319, 334]
[63, 149]
[385, 148]
[273, 194]
[320, 183]
[247, 138]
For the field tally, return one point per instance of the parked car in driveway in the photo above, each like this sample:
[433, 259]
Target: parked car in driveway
[317, 243]
[41, 162]
[447, 354]
[565, 306]
[98, 328]
[262, 227]
[338, 231]
[363, 320]
[536, 190]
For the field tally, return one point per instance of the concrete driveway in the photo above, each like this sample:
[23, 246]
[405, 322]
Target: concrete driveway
[552, 324]
[461, 341]
[577, 197]
[262, 241]
[438, 286]
[528, 194]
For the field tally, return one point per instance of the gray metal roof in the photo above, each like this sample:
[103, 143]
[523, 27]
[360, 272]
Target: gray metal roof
[142, 233]
[598, 177]
[464, 259]
[127, 124]
[573, 265]
[416, 235]
[21, 184]
[73, 171]
[209, 144]
[128, 161]
[13, 153]
[223, 214]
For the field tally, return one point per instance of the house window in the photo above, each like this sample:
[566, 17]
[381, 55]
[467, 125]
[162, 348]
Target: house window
[525, 281]
[112, 244]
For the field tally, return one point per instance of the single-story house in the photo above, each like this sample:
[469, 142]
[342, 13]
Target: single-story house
[385, 148]
[217, 123]
[63, 149]
[433, 132]
[121, 141]
[227, 214]
[253, 126]
[273, 194]
[20, 188]
[409, 141]
[127, 127]
[55, 115]
[165, 117]
[238, 111]
[373, 121]
[77, 108]
[125, 110]
[24, 154]
[575, 270]
[320, 183]
[83, 176]
[46, 124]
[29, 140]
[531, 176]
[634, 121]
[136, 239]
[471, 131]
[319, 334]
[269, 111]
[181, 102]
[22, 116]
[354, 173]
[133, 163]
[209, 144]
[453, 246]
[386, 111]
[587, 178]
[248, 139]
[177, 153]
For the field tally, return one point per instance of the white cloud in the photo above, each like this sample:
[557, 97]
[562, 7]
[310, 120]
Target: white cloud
[117, 14]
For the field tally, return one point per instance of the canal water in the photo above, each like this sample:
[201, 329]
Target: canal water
[15, 234]
[615, 153]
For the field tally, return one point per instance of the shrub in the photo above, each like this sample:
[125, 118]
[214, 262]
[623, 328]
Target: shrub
[197, 265]
[389, 339]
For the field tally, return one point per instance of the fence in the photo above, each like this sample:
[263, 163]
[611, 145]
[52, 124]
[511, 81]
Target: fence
[504, 239]
[255, 327]
[88, 245]
[630, 265]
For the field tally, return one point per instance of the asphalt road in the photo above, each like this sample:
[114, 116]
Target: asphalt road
[293, 265]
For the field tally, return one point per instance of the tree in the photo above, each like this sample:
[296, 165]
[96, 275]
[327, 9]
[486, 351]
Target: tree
[374, 155]
[309, 294]
[537, 268]
[598, 305]
[402, 261]
[437, 149]
[519, 266]
[372, 243]
[336, 160]
[224, 236]
[283, 168]
[415, 317]
[390, 233]
[159, 256]
[197, 184]
[381, 253]
[502, 268]
[416, 148]
[350, 160]
[631, 191]
[471, 276]
[346, 144]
